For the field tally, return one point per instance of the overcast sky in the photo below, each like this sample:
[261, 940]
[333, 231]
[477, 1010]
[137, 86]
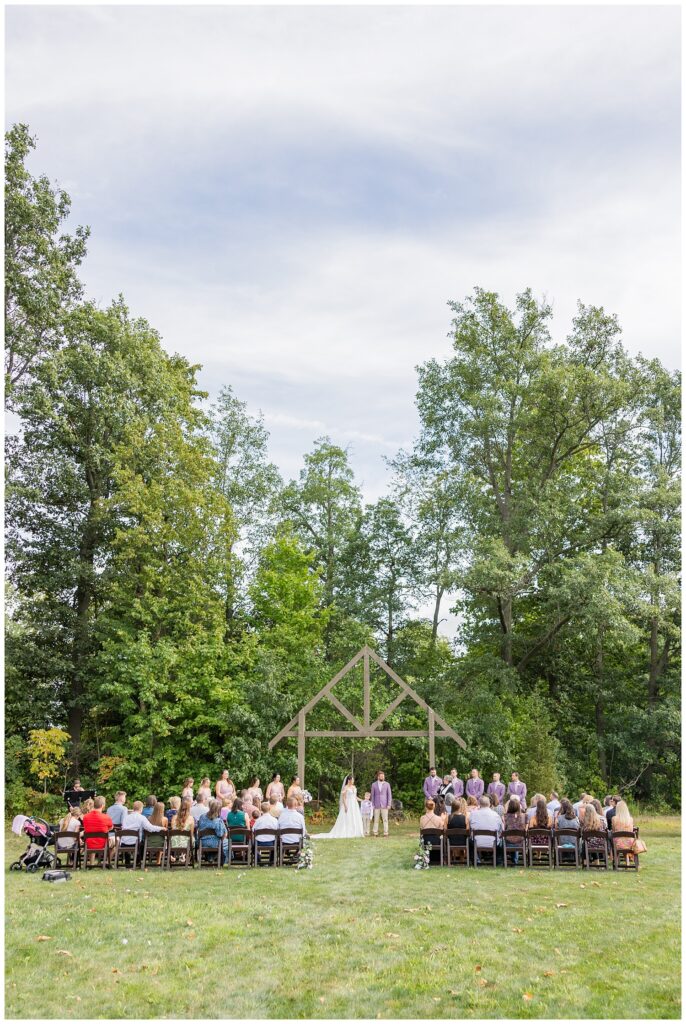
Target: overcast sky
[292, 195]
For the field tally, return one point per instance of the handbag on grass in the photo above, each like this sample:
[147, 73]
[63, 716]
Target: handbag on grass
[639, 846]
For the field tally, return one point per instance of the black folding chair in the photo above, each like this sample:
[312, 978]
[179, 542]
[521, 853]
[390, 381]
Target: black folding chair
[490, 849]
[154, 848]
[594, 843]
[67, 845]
[240, 847]
[457, 847]
[623, 859]
[266, 855]
[540, 847]
[514, 842]
[128, 852]
[289, 852]
[433, 837]
[566, 851]
[102, 855]
[181, 854]
[209, 854]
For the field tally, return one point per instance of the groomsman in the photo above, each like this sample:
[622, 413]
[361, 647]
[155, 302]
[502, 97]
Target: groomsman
[432, 784]
[475, 785]
[458, 785]
[518, 789]
[496, 787]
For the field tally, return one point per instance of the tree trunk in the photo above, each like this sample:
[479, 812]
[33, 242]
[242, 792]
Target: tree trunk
[505, 613]
[81, 642]
[437, 611]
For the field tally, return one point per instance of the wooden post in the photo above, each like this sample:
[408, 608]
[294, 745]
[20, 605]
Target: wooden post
[301, 748]
[432, 741]
[367, 699]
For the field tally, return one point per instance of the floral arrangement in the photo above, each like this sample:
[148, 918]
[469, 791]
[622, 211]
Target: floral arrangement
[306, 858]
[421, 858]
[307, 796]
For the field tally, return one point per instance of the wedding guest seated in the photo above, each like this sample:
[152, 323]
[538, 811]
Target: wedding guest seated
[71, 822]
[541, 819]
[531, 810]
[554, 804]
[159, 818]
[514, 818]
[593, 822]
[118, 810]
[612, 810]
[291, 817]
[583, 799]
[182, 821]
[174, 805]
[212, 820]
[265, 820]
[439, 807]
[473, 804]
[430, 819]
[200, 807]
[484, 817]
[135, 819]
[87, 805]
[237, 818]
[623, 822]
[566, 818]
[150, 805]
[449, 801]
[459, 818]
[97, 821]
[275, 806]
[204, 791]
[248, 804]
[226, 808]
[496, 804]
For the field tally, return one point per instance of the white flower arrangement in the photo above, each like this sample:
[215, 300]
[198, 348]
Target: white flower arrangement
[421, 858]
[306, 858]
[307, 796]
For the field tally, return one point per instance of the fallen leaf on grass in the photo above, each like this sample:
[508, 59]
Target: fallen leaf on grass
[597, 884]
[189, 923]
[115, 970]
[528, 996]
[518, 930]
[43, 938]
[549, 974]
[483, 983]
[582, 886]
[477, 968]
[558, 905]
[191, 935]
[65, 952]
[321, 999]
[558, 951]
[392, 935]
[436, 999]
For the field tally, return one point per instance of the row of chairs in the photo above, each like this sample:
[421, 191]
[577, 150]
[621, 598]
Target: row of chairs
[532, 848]
[180, 849]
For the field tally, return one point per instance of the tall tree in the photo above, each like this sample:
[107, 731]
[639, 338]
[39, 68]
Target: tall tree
[40, 263]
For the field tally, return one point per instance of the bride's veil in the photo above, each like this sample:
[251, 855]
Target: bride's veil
[340, 795]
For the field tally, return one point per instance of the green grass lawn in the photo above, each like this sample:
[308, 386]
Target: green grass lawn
[361, 935]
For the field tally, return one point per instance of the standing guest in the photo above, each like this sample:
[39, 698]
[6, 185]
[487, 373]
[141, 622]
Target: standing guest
[135, 819]
[212, 820]
[204, 791]
[150, 805]
[254, 791]
[187, 789]
[496, 804]
[174, 805]
[265, 820]
[458, 785]
[182, 821]
[291, 817]
[514, 819]
[222, 787]
[71, 822]
[432, 785]
[295, 789]
[118, 810]
[366, 810]
[275, 788]
[517, 788]
[554, 804]
[97, 821]
[381, 801]
[475, 785]
[237, 818]
[497, 787]
[485, 817]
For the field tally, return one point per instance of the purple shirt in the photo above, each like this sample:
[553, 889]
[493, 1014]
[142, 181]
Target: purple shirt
[366, 808]
[381, 795]
[475, 787]
[432, 784]
[458, 786]
[518, 789]
[498, 788]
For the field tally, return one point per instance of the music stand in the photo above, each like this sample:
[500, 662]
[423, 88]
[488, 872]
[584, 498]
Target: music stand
[74, 797]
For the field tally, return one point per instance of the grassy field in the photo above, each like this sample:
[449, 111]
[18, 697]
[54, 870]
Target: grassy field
[361, 935]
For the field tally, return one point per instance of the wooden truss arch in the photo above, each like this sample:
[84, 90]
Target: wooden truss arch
[366, 728]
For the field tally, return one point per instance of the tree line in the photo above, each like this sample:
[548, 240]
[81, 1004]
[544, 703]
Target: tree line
[172, 601]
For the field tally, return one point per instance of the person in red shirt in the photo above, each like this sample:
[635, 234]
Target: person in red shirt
[97, 821]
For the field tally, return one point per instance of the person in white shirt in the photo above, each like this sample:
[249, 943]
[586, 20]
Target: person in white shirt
[553, 804]
[485, 817]
[265, 820]
[134, 819]
[200, 807]
[291, 818]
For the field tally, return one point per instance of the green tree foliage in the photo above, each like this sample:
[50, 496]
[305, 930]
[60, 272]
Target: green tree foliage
[40, 263]
[46, 749]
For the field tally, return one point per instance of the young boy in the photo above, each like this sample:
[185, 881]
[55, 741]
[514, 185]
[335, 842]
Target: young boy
[366, 810]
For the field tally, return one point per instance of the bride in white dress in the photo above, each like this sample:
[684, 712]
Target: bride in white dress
[349, 821]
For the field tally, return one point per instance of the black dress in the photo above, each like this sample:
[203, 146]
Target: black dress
[457, 821]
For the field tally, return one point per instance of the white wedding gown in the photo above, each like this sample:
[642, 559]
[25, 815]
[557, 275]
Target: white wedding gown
[348, 823]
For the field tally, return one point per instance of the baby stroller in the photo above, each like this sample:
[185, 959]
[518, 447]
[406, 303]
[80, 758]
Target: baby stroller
[41, 836]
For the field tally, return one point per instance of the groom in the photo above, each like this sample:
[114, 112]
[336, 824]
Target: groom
[381, 801]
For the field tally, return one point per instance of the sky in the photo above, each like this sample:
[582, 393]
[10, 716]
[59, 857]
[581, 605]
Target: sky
[291, 196]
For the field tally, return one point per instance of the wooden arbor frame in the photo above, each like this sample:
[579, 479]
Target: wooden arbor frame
[368, 729]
